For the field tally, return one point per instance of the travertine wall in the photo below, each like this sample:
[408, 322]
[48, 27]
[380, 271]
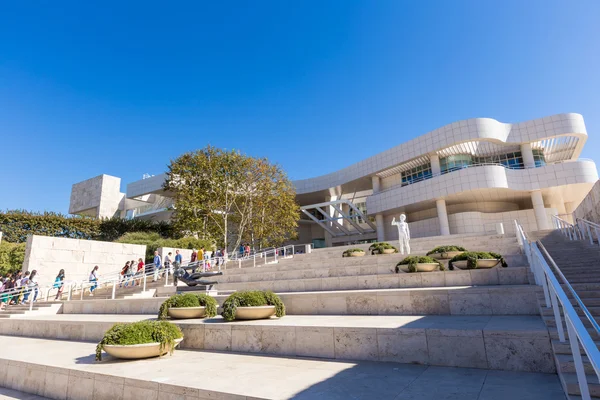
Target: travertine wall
[590, 206]
[99, 197]
[77, 257]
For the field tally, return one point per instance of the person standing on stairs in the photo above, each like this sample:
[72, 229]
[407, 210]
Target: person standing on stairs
[94, 280]
[32, 284]
[157, 265]
[59, 283]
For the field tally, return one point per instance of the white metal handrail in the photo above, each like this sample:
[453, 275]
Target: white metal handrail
[568, 229]
[556, 298]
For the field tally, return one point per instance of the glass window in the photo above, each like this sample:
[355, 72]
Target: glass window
[539, 158]
[416, 174]
[458, 161]
[362, 207]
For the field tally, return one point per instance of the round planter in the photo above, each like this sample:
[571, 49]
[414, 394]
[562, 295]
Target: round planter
[422, 267]
[357, 254]
[187, 312]
[445, 256]
[258, 312]
[482, 263]
[389, 251]
[138, 351]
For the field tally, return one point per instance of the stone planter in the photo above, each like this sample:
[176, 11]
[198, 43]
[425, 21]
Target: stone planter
[257, 312]
[422, 267]
[138, 351]
[482, 263]
[389, 251]
[187, 312]
[445, 256]
[357, 254]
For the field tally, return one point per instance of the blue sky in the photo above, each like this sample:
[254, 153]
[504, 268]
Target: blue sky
[123, 87]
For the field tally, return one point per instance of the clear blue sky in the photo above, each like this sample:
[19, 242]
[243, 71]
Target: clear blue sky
[123, 87]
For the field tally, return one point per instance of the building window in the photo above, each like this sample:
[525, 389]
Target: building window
[538, 157]
[362, 207]
[416, 174]
[458, 161]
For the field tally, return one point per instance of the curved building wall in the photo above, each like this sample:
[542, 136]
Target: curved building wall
[484, 129]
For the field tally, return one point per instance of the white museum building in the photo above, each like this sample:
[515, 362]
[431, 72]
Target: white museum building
[464, 178]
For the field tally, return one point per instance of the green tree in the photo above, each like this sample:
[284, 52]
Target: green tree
[232, 197]
[11, 257]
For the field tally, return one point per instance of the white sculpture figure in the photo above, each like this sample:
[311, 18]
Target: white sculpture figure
[403, 233]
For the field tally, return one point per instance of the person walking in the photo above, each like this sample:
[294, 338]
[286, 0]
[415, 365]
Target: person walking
[31, 287]
[168, 263]
[94, 280]
[157, 266]
[140, 271]
[59, 283]
[194, 256]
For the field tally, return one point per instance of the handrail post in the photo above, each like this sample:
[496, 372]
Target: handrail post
[559, 325]
[47, 293]
[81, 298]
[579, 370]
[69, 292]
[254, 260]
[31, 296]
[114, 289]
[589, 232]
[597, 237]
[276, 252]
[167, 276]
[145, 277]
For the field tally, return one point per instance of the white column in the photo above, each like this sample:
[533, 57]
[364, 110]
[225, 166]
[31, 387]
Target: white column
[442, 216]
[527, 154]
[380, 228]
[569, 210]
[435, 164]
[376, 184]
[539, 210]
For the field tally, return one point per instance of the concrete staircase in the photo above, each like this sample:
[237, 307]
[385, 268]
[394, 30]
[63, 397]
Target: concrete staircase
[39, 308]
[342, 312]
[579, 261]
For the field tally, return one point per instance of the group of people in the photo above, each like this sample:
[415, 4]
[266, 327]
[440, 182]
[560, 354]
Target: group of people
[17, 288]
[245, 250]
[130, 271]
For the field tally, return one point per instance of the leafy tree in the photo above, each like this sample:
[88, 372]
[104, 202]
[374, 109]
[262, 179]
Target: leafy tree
[232, 197]
[11, 257]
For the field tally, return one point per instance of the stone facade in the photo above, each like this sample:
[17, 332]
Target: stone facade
[590, 206]
[98, 197]
[77, 257]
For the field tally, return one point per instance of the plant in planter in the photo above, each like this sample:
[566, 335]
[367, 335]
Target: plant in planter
[265, 303]
[446, 252]
[139, 340]
[419, 264]
[477, 259]
[188, 305]
[382, 248]
[353, 253]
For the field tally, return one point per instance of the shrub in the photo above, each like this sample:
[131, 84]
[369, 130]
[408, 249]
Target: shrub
[412, 262]
[141, 332]
[12, 256]
[251, 299]
[473, 256]
[189, 300]
[153, 241]
[379, 247]
[349, 252]
[446, 249]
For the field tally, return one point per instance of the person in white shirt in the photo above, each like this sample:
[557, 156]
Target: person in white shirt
[94, 280]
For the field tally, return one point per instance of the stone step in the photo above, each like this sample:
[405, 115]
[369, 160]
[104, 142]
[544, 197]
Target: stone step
[493, 276]
[480, 300]
[595, 311]
[517, 343]
[10, 394]
[569, 380]
[75, 375]
[566, 364]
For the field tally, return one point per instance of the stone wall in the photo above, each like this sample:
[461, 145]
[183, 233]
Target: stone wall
[590, 206]
[77, 257]
[98, 197]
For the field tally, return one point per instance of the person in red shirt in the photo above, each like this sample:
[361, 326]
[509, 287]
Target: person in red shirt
[194, 255]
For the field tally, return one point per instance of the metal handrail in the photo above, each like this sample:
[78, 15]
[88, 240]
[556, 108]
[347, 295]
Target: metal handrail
[568, 229]
[555, 298]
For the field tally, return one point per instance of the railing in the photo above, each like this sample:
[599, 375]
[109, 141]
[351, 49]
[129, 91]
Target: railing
[556, 298]
[115, 279]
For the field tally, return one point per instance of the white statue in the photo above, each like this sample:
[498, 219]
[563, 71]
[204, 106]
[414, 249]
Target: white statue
[403, 233]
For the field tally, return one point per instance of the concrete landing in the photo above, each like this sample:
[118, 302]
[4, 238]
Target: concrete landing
[70, 372]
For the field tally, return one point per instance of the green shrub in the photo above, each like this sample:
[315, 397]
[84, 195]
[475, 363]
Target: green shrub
[349, 252]
[377, 248]
[412, 262]
[11, 257]
[446, 249]
[473, 256]
[189, 300]
[141, 332]
[251, 299]
[153, 241]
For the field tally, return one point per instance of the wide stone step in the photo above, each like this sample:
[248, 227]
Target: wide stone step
[566, 363]
[493, 276]
[516, 343]
[570, 381]
[75, 375]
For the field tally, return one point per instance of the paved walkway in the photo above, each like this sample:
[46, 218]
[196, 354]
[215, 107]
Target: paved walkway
[211, 375]
[9, 394]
